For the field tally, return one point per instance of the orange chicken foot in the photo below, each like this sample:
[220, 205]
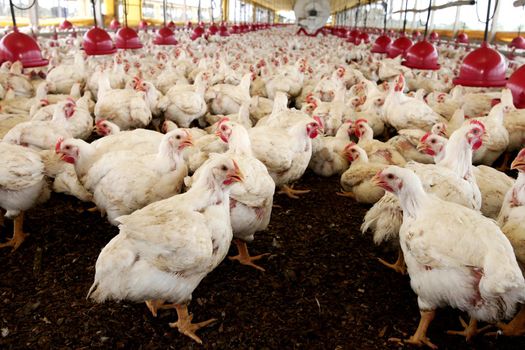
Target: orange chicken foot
[470, 330]
[18, 235]
[346, 194]
[514, 328]
[420, 336]
[399, 266]
[184, 323]
[244, 256]
[291, 192]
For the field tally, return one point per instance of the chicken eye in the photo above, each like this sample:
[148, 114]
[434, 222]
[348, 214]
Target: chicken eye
[67, 147]
[224, 168]
[177, 137]
[390, 176]
[433, 141]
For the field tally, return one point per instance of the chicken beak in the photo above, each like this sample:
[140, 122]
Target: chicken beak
[236, 175]
[519, 164]
[376, 179]
[187, 142]
[421, 147]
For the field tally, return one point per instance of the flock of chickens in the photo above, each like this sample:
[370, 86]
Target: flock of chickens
[248, 114]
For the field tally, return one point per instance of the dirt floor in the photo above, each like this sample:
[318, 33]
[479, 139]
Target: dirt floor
[323, 287]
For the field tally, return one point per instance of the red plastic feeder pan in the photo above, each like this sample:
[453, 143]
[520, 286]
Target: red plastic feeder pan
[65, 25]
[165, 36]
[381, 44]
[483, 67]
[114, 25]
[422, 55]
[17, 46]
[399, 47]
[518, 42]
[516, 84]
[127, 39]
[98, 42]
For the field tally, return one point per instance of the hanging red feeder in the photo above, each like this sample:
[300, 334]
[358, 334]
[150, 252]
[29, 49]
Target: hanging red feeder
[381, 44]
[399, 47]
[213, 29]
[434, 36]
[462, 38]
[165, 36]
[422, 55]
[114, 24]
[516, 84]
[223, 30]
[235, 29]
[518, 42]
[197, 32]
[171, 25]
[143, 25]
[416, 34]
[364, 37]
[98, 42]
[352, 35]
[17, 46]
[483, 67]
[127, 39]
[65, 25]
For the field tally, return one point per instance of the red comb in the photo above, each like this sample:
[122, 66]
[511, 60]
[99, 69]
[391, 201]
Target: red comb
[477, 122]
[224, 120]
[58, 145]
[361, 120]
[98, 123]
[424, 137]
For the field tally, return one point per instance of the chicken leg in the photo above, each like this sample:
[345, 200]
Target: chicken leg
[470, 330]
[158, 304]
[399, 265]
[184, 323]
[18, 236]
[420, 337]
[291, 192]
[516, 327]
[244, 256]
[346, 194]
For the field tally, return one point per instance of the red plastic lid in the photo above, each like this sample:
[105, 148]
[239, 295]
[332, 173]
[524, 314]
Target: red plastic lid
[143, 25]
[235, 29]
[165, 36]
[422, 55]
[114, 25]
[434, 36]
[352, 35]
[462, 38]
[213, 29]
[516, 84]
[65, 25]
[127, 39]
[197, 32]
[171, 25]
[399, 47]
[98, 42]
[518, 42]
[381, 44]
[483, 67]
[17, 46]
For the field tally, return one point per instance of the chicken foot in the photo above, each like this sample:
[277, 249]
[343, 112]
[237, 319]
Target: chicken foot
[244, 256]
[516, 327]
[399, 266]
[155, 305]
[291, 192]
[346, 194]
[18, 235]
[184, 323]
[470, 330]
[420, 336]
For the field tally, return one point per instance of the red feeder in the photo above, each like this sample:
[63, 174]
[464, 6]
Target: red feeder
[213, 29]
[462, 38]
[516, 84]
[17, 46]
[114, 25]
[143, 25]
[127, 39]
[65, 25]
[518, 42]
[197, 32]
[483, 67]
[364, 37]
[381, 44]
[235, 29]
[98, 42]
[352, 35]
[416, 34]
[165, 36]
[399, 47]
[422, 55]
[172, 25]
[223, 30]
[434, 36]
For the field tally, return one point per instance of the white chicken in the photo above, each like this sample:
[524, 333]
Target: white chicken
[328, 152]
[165, 249]
[22, 186]
[65, 75]
[454, 255]
[227, 99]
[378, 152]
